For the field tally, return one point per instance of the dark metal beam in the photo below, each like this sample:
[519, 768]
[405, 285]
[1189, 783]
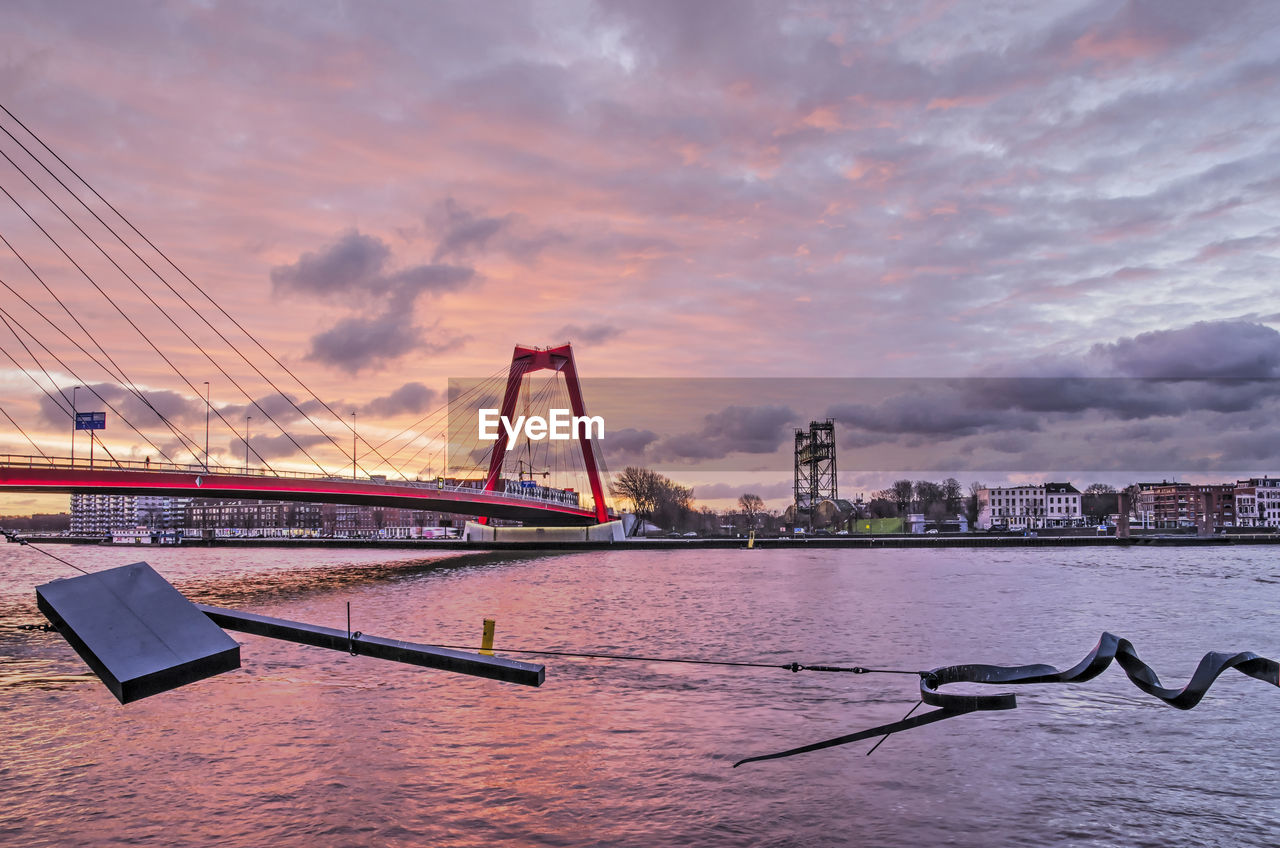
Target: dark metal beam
[445, 659]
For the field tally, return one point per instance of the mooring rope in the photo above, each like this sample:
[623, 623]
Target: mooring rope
[791, 666]
[13, 537]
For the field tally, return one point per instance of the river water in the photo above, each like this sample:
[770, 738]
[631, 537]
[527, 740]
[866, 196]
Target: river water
[309, 747]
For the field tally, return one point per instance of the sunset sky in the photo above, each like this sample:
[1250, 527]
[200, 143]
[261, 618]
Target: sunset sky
[393, 194]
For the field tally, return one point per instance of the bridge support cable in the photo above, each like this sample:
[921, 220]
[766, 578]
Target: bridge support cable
[17, 427]
[62, 396]
[134, 325]
[341, 421]
[123, 381]
[538, 401]
[423, 427]
[461, 442]
[119, 374]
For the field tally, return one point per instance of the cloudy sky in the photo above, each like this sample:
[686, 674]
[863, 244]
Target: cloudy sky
[392, 194]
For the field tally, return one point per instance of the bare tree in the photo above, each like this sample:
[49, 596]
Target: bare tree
[973, 505]
[751, 505]
[902, 490]
[654, 496]
[928, 493]
[641, 486]
[952, 495]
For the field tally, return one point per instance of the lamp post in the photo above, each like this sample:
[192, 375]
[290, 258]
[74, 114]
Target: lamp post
[73, 423]
[353, 444]
[247, 419]
[206, 426]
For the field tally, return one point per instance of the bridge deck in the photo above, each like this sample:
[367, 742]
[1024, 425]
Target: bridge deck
[60, 476]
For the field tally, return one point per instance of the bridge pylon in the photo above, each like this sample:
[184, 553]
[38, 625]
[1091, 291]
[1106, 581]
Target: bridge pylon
[528, 360]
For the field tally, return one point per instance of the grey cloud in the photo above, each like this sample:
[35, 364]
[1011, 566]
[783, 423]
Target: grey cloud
[734, 429]
[428, 279]
[352, 262]
[1204, 350]
[411, 398]
[356, 343]
[1120, 423]
[144, 412]
[936, 408]
[278, 406]
[466, 231]
[627, 442]
[358, 265]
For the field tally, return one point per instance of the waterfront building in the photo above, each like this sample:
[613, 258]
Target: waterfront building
[1030, 506]
[1062, 505]
[252, 517]
[1258, 502]
[100, 514]
[1142, 506]
[1181, 505]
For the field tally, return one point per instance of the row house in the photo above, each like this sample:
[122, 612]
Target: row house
[1258, 502]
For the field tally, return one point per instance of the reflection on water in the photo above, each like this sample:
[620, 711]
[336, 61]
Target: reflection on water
[304, 746]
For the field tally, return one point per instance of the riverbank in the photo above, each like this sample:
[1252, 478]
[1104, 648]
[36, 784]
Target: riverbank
[796, 542]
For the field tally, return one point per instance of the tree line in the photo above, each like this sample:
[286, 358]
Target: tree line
[669, 505]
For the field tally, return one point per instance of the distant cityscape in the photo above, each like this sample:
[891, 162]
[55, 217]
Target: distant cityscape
[1254, 502]
[155, 518]
[908, 507]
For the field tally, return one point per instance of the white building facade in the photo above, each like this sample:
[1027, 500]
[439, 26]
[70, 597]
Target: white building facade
[1258, 502]
[1029, 507]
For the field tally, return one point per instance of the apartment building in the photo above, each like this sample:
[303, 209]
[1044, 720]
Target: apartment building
[99, 514]
[252, 517]
[1192, 505]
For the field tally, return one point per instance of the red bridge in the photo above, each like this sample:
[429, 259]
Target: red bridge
[487, 497]
[38, 474]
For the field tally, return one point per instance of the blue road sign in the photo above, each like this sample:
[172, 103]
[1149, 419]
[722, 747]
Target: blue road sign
[91, 420]
[528, 484]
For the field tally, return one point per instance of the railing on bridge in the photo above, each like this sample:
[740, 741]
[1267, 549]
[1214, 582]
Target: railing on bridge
[539, 494]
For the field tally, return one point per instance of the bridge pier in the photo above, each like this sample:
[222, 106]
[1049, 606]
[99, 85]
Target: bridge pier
[609, 531]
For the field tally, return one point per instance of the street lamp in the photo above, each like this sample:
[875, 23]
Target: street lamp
[206, 426]
[247, 419]
[73, 423]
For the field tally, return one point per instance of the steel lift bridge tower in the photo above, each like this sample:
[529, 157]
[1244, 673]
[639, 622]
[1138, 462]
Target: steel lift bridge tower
[815, 479]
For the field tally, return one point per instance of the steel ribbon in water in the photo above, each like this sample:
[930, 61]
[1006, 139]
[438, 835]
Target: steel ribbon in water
[1110, 647]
